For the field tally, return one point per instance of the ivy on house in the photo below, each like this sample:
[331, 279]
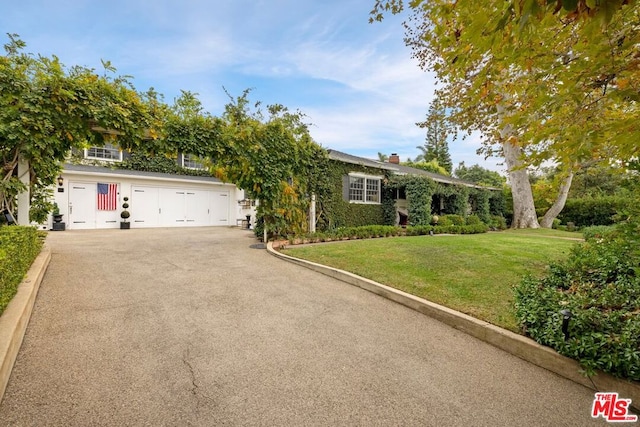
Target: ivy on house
[334, 211]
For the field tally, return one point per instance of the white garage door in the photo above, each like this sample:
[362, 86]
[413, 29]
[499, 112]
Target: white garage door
[83, 212]
[219, 208]
[82, 205]
[178, 207]
[144, 206]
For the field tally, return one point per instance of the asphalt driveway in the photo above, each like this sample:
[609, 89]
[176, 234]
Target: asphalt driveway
[195, 327]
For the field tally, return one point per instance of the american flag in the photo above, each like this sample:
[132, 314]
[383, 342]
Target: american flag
[107, 197]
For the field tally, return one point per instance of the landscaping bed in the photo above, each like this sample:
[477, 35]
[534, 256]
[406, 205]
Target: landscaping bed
[19, 246]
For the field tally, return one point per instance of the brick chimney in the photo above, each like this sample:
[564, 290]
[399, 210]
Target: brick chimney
[394, 158]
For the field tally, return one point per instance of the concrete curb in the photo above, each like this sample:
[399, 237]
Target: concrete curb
[15, 318]
[518, 345]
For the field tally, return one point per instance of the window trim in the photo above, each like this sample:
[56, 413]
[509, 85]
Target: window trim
[364, 190]
[183, 159]
[104, 147]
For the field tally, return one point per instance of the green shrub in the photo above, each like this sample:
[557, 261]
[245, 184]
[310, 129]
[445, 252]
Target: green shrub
[597, 231]
[600, 285]
[444, 221]
[592, 211]
[474, 220]
[453, 220]
[497, 222]
[19, 246]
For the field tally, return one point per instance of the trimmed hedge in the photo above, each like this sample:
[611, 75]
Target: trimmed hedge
[600, 285]
[372, 231]
[592, 211]
[19, 246]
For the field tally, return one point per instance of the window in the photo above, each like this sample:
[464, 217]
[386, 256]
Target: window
[107, 152]
[364, 188]
[190, 161]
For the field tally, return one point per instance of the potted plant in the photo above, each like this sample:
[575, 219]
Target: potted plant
[57, 216]
[58, 225]
[124, 224]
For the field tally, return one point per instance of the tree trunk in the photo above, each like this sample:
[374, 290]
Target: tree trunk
[524, 211]
[558, 204]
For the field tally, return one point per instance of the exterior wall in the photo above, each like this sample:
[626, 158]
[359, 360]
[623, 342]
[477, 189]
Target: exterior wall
[338, 211]
[186, 202]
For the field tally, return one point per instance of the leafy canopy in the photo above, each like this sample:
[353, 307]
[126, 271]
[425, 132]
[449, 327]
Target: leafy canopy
[563, 75]
[47, 109]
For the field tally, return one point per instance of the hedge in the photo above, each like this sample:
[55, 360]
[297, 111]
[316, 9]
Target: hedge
[592, 211]
[372, 231]
[19, 246]
[600, 286]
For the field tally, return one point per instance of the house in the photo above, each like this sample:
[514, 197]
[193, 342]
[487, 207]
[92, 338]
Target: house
[364, 194]
[90, 194]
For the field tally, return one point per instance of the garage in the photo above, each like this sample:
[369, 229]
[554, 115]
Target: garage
[155, 199]
[178, 207]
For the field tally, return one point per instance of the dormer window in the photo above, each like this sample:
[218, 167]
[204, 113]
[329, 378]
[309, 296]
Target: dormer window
[108, 152]
[190, 161]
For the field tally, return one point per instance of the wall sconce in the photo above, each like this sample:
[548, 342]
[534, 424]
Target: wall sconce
[60, 181]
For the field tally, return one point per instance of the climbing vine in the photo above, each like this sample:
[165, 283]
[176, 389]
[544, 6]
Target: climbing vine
[479, 200]
[335, 211]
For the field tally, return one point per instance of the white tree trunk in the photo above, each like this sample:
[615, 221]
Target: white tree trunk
[24, 197]
[524, 211]
[558, 205]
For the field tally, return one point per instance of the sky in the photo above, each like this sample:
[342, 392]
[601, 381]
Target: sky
[356, 82]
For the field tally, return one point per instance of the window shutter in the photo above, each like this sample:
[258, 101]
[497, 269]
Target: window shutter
[345, 187]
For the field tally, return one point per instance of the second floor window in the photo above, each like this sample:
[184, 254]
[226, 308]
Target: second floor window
[107, 152]
[190, 161]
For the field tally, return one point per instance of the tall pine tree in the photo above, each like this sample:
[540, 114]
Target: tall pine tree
[436, 146]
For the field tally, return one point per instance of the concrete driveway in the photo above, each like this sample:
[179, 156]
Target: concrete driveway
[195, 327]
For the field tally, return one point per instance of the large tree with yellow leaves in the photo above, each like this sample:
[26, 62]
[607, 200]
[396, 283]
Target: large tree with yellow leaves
[541, 80]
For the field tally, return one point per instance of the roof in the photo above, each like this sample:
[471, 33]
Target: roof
[401, 169]
[348, 158]
[68, 167]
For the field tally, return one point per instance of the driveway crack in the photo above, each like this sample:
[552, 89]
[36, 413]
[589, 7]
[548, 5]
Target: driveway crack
[195, 387]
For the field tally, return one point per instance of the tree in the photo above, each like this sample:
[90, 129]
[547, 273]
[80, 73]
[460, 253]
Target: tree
[430, 166]
[47, 109]
[479, 175]
[538, 81]
[436, 146]
[382, 157]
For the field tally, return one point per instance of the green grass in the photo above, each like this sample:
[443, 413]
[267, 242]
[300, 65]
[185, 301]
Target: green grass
[473, 274]
[545, 232]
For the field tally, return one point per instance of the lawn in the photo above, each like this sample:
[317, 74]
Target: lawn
[473, 274]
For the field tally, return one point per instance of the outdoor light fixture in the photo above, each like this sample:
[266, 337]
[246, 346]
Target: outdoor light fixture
[60, 181]
[566, 315]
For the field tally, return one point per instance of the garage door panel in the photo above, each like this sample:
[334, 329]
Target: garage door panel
[197, 207]
[144, 206]
[219, 208]
[82, 206]
[172, 207]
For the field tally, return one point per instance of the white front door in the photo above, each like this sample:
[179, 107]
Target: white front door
[82, 206]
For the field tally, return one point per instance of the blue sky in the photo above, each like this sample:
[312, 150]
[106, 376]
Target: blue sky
[356, 81]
